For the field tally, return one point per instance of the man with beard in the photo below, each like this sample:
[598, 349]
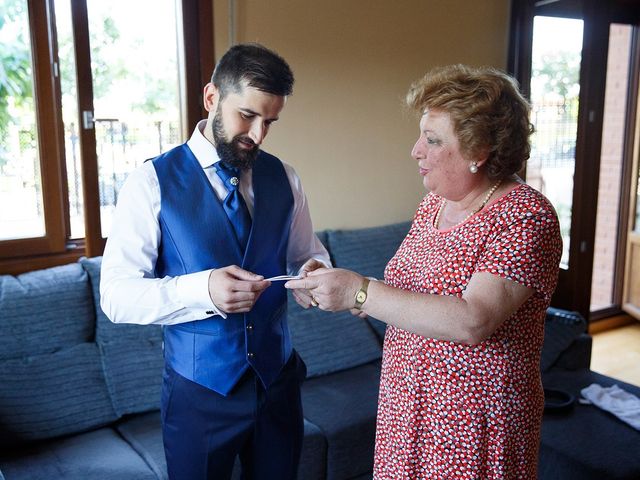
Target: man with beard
[197, 233]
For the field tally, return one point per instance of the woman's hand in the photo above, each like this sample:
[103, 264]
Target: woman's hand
[332, 289]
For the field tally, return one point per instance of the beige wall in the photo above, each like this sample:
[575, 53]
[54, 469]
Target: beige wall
[345, 129]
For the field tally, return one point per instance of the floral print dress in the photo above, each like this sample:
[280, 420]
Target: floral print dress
[454, 411]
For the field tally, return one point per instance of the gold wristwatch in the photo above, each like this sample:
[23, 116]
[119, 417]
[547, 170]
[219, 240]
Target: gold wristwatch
[361, 295]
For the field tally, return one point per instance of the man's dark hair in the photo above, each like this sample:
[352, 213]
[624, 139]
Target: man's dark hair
[252, 65]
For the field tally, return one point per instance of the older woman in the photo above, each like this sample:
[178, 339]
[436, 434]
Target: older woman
[465, 294]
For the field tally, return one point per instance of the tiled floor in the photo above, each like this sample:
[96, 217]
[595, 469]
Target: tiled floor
[617, 353]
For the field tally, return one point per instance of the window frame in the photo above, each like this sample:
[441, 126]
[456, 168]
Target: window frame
[56, 247]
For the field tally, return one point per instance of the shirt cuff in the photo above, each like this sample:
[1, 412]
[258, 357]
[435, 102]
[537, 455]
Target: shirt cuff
[193, 291]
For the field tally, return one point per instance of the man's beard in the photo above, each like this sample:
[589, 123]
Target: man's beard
[229, 151]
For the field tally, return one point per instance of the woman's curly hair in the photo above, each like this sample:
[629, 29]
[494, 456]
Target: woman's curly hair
[488, 112]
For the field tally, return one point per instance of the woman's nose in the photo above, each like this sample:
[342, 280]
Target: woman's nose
[417, 152]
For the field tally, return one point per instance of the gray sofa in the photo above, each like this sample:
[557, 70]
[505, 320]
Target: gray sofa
[79, 396]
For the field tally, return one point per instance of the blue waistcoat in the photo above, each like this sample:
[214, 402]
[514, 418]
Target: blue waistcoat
[197, 235]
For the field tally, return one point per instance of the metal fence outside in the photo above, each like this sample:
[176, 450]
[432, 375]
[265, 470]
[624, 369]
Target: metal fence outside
[121, 147]
[554, 139]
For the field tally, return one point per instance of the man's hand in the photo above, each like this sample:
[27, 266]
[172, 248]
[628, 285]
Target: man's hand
[302, 296]
[234, 290]
[311, 265]
[358, 313]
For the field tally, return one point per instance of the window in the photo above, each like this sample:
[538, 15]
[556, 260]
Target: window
[555, 85]
[584, 94]
[88, 92]
[19, 151]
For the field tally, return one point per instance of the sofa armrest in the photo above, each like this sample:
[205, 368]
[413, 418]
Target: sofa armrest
[561, 329]
[577, 355]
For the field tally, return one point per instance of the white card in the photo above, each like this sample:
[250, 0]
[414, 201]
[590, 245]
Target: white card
[284, 278]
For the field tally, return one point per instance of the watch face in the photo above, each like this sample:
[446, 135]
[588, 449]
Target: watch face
[361, 297]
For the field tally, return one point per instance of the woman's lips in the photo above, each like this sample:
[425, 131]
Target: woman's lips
[423, 171]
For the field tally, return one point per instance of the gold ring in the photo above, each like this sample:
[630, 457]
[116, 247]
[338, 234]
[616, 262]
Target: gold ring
[314, 302]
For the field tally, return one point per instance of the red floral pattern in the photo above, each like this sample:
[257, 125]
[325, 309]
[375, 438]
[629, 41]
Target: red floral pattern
[454, 411]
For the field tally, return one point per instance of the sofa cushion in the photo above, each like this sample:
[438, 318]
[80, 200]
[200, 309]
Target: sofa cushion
[587, 443]
[45, 310]
[144, 434]
[578, 355]
[322, 236]
[132, 355]
[330, 342]
[133, 369]
[100, 454]
[105, 329]
[313, 458]
[561, 329]
[53, 394]
[344, 405]
[367, 251]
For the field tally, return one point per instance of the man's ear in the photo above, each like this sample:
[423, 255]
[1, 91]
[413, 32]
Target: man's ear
[210, 97]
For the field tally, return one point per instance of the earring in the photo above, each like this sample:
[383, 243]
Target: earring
[473, 167]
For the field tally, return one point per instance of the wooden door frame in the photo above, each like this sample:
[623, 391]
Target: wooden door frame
[574, 285]
[93, 241]
[631, 174]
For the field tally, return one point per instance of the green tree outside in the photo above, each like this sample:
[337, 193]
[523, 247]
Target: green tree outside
[16, 90]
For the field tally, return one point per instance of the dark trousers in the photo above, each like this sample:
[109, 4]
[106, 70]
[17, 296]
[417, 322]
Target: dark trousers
[204, 432]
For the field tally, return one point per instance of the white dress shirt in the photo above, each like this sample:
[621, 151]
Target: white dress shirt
[129, 292]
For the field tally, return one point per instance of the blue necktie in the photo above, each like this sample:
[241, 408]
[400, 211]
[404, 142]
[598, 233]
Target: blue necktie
[233, 203]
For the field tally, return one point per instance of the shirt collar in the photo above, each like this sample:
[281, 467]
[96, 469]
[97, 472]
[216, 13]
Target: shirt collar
[202, 148]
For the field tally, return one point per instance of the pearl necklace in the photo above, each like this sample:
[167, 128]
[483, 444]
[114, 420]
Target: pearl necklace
[491, 191]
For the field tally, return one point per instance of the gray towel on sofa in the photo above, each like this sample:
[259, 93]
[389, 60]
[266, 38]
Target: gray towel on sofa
[615, 400]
